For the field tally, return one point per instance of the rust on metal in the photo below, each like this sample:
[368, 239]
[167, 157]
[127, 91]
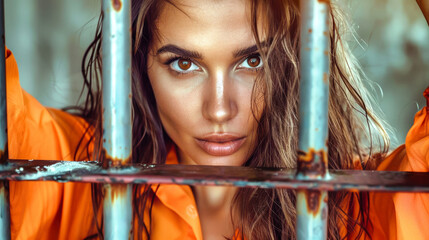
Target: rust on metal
[313, 163]
[117, 191]
[313, 201]
[324, 1]
[4, 155]
[109, 161]
[4, 188]
[92, 172]
[326, 75]
[325, 210]
[117, 5]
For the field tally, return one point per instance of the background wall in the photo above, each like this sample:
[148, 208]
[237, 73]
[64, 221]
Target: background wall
[394, 52]
[48, 38]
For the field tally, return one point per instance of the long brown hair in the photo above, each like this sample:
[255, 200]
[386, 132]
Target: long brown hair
[257, 213]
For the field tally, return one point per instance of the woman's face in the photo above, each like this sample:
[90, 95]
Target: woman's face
[202, 69]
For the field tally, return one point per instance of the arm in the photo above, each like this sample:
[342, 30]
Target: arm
[44, 210]
[405, 215]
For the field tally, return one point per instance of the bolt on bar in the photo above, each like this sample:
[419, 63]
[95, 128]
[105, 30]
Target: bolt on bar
[117, 142]
[4, 186]
[312, 208]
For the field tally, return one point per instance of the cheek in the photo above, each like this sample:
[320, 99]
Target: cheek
[174, 110]
[251, 97]
[176, 107]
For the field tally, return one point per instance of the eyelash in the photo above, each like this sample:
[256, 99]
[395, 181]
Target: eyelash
[176, 58]
[171, 60]
[253, 69]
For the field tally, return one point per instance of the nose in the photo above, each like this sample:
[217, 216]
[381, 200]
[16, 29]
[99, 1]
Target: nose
[220, 103]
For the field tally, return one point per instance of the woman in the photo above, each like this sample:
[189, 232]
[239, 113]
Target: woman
[214, 83]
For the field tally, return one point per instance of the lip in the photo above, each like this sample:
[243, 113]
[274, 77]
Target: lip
[220, 144]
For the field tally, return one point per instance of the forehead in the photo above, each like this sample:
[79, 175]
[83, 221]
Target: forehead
[204, 23]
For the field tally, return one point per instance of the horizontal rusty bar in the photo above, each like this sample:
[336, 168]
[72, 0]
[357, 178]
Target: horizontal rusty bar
[65, 171]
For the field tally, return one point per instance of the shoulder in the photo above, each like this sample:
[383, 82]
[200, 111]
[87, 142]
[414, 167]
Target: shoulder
[35, 131]
[414, 154]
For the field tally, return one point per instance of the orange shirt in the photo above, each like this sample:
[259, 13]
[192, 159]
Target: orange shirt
[50, 210]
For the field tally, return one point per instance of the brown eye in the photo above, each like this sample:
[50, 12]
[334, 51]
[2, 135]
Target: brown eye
[184, 64]
[254, 61]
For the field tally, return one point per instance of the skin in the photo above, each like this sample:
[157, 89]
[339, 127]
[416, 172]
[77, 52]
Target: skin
[213, 96]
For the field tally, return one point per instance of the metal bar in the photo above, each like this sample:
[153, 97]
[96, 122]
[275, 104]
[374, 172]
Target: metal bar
[117, 142]
[312, 208]
[62, 171]
[4, 185]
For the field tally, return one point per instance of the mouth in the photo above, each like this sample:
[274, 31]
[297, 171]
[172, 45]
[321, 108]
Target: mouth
[220, 144]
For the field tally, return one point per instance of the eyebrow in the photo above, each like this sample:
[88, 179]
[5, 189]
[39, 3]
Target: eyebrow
[179, 51]
[245, 51]
[248, 50]
[196, 55]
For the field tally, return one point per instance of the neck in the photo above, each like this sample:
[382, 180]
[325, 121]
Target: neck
[214, 205]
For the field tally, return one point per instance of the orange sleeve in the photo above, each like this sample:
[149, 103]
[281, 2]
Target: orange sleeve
[44, 210]
[405, 215]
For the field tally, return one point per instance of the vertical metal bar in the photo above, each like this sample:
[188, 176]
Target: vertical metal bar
[4, 186]
[117, 142]
[312, 209]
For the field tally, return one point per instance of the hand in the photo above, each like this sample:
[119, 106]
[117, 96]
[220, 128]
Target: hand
[424, 6]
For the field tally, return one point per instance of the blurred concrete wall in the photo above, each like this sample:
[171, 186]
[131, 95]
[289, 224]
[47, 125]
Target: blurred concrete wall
[48, 38]
[395, 54]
